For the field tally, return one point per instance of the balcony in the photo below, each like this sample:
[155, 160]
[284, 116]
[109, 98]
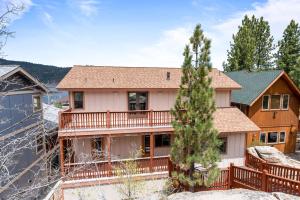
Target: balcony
[100, 169]
[70, 120]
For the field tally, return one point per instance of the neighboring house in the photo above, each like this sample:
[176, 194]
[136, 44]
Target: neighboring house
[115, 111]
[21, 133]
[50, 114]
[271, 100]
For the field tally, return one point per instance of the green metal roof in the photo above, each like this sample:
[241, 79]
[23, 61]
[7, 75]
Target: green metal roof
[253, 84]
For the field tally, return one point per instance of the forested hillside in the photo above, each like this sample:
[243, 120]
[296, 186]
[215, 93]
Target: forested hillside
[45, 73]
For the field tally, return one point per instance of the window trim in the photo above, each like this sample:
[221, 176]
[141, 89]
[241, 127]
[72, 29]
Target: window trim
[41, 107]
[36, 141]
[83, 100]
[147, 101]
[262, 102]
[281, 102]
[268, 137]
[284, 137]
[265, 137]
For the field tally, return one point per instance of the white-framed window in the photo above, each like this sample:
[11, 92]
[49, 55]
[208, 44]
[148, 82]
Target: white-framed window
[262, 137]
[272, 137]
[285, 101]
[39, 143]
[36, 103]
[266, 102]
[275, 101]
[282, 137]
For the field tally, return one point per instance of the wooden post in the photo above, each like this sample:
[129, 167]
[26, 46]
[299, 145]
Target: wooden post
[230, 176]
[151, 118]
[108, 119]
[170, 167]
[109, 154]
[264, 181]
[246, 158]
[62, 157]
[151, 151]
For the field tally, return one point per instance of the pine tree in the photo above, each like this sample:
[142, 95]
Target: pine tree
[295, 73]
[196, 139]
[289, 47]
[252, 46]
[264, 45]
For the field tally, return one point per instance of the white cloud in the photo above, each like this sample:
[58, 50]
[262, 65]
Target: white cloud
[167, 51]
[87, 7]
[277, 12]
[24, 4]
[47, 18]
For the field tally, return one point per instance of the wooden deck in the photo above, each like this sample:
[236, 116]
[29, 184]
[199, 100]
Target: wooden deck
[102, 120]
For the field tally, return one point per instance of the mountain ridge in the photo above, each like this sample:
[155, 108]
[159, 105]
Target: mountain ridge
[48, 74]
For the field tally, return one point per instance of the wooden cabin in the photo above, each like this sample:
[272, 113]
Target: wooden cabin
[271, 100]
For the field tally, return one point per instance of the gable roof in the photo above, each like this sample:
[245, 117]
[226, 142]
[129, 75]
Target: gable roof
[9, 70]
[254, 84]
[104, 77]
[5, 69]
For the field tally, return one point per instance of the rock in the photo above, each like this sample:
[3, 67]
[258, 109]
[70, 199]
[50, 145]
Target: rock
[283, 196]
[235, 194]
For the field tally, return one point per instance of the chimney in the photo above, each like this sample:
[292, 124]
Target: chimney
[168, 75]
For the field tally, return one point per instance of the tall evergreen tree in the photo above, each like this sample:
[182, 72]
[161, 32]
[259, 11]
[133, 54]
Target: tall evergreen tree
[252, 46]
[264, 45]
[289, 48]
[196, 139]
[295, 73]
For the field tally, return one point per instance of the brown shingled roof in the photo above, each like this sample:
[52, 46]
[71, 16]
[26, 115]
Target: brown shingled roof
[104, 77]
[228, 120]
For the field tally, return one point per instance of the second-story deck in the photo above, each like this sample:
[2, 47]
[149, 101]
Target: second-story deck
[78, 121]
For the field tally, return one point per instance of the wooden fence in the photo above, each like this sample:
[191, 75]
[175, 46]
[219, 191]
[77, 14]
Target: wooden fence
[244, 177]
[78, 171]
[274, 169]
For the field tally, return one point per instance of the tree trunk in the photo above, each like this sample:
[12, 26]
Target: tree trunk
[191, 172]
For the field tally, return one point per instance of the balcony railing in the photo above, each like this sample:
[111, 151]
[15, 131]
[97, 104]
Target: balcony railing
[77, 171]
[100, 120]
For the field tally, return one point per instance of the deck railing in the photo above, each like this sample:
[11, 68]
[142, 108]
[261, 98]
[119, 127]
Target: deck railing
[259, 164]
[244, 177]
[96, 120]
[77, 171]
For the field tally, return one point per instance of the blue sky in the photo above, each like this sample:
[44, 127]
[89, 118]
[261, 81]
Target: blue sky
[132, 32]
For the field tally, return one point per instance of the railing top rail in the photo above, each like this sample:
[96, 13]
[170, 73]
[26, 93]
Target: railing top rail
[116, 160]
[127, 111]
[247, 169]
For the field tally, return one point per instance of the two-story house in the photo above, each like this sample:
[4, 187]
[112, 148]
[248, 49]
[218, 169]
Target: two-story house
[115, 111]
[271, 100]
[21, 133]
